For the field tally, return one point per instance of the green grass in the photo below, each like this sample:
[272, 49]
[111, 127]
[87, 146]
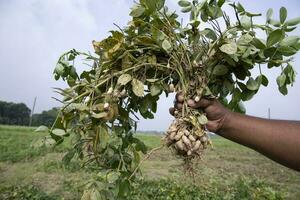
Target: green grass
[229, 171]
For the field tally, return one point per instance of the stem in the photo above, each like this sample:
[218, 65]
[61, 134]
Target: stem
[145, 158]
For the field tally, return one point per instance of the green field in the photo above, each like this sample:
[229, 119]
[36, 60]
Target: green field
[229, 171]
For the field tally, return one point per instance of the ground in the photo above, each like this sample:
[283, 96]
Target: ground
[225, 169]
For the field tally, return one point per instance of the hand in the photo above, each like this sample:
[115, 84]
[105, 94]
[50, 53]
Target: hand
[216, 113]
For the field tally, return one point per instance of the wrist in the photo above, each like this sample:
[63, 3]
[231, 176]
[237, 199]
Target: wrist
[226, 122]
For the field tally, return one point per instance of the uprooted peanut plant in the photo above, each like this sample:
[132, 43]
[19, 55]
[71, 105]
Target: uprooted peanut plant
[212, 56]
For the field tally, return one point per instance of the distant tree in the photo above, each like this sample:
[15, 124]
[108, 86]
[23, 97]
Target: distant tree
[46, 118]
[14, 113]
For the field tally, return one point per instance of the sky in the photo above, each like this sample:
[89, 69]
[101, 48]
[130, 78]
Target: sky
[34, 33]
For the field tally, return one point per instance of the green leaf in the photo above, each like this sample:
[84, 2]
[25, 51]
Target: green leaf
[220, 70]
[287, 50]
[281, 80]
[209, 33]
[124, 188]
[184, 3]
[186, 9]
[246, 22]
[103, 136]
[202, 119]
[137, 11]
[140, 146]
[290, 73]
[59, 132]
[112, 177]
[269, 14]
[137, 87]
[283, 14]
[42, 129]
[248, 94]
[241, 107]
[68, 156]
[166, 45]
[293, 22]
[221, 2]
[124, 79]
[258, 43]
[289, 41]
[264, 80]
[240, 8]
[274, 37]
[274, 22]
[59, 69]
[252, 84]
[283, 90]
[230, 48]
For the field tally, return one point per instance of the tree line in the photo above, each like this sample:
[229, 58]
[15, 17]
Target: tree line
[19, 114]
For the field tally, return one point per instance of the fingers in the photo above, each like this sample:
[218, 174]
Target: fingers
[203, 103]
[178, 103]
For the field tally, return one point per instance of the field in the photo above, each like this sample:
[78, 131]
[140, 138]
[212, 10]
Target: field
[229, 171]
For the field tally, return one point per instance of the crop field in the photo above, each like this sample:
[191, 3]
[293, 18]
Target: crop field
[229, 171]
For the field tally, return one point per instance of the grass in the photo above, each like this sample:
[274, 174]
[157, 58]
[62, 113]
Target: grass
[229, 171]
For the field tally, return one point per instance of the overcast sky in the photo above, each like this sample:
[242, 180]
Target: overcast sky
[33, 34]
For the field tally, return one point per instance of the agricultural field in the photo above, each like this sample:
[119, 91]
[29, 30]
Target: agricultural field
[229, 171]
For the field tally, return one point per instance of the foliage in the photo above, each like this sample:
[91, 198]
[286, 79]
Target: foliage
[242, 188]
[14, 113]
[26, 192]
[166, 189]
[157, 54]
[46, 118]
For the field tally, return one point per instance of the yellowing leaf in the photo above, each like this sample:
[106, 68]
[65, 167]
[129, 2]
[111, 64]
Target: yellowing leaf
[99, 115]
[124, 79]
[229, 48]
[184, 3]
[59, 132]
[202, 119]
[42, 129]
[155, 89]
[137, 11]
[166, 45]
[137, 87]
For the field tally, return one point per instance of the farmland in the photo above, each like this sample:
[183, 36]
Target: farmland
[229, 171]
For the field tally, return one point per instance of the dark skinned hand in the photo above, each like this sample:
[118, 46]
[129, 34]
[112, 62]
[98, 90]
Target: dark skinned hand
[216, 113]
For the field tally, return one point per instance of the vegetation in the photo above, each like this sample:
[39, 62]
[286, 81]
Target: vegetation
[19, 114]
[156, 54]
[230, 171]
[46, 118]
[14, 113]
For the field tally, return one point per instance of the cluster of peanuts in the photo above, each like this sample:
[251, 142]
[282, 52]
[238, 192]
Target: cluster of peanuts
[185, 140]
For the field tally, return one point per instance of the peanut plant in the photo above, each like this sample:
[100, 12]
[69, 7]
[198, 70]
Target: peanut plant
[212, 56]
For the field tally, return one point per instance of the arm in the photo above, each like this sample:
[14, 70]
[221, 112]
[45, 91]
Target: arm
[276, 139]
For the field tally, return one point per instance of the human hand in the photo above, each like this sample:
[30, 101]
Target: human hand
[216, 113]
